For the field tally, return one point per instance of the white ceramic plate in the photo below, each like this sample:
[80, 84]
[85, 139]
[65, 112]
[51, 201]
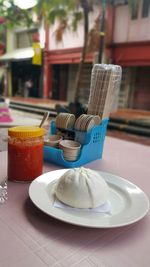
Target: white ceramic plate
[129, 203]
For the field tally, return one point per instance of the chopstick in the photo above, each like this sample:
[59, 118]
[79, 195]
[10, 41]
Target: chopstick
[45, 117]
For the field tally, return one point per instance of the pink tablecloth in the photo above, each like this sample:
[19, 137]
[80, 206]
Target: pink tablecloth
[28, 237]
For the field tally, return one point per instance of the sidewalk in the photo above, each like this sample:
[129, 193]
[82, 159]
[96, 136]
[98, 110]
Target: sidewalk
[129, 124]
[135, 115]
[49, 103]
[128, 115]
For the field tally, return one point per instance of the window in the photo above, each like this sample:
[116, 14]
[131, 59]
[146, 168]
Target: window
[119, 2]
[25, 38]
[134, 8]
[145, 8]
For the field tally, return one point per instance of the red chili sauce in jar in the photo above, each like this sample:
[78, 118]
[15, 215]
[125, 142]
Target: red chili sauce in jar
[25, 153]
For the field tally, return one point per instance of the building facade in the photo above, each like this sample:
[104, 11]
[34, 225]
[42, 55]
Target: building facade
[61, 62]
[128, 42]
[130, 48]
[22, 76]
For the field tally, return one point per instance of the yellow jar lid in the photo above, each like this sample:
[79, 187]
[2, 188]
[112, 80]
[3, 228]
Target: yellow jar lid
[25, 131]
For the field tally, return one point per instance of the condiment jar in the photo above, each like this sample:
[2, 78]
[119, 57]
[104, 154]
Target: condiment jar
[25, 152]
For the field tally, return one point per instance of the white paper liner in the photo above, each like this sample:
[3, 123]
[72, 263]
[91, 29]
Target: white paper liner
[104, 208]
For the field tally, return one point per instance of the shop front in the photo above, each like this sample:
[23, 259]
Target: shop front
[136, 58]
[23, 78]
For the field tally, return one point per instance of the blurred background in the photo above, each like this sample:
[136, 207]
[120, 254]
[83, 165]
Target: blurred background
[48, 48]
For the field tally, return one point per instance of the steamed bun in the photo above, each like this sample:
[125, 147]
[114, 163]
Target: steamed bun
[82, 188]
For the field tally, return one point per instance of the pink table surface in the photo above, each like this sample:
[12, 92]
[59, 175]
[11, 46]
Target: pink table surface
[29, 238]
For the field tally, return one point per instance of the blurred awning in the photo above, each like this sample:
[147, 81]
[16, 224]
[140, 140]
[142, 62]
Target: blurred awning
[18, 54]
[131, 54]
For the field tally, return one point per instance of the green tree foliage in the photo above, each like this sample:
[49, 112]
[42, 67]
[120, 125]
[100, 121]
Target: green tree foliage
[13, 15]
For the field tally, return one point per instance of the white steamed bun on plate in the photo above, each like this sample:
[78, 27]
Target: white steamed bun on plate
[82, 188]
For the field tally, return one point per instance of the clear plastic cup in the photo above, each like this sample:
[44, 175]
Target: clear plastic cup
[3, 189]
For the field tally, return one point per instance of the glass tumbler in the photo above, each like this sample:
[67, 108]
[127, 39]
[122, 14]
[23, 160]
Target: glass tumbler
[25, 153]
[3, 190]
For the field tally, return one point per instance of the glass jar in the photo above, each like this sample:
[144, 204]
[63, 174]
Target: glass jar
[25, 153]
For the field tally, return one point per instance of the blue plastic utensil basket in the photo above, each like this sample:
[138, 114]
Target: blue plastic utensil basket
[92, 143]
